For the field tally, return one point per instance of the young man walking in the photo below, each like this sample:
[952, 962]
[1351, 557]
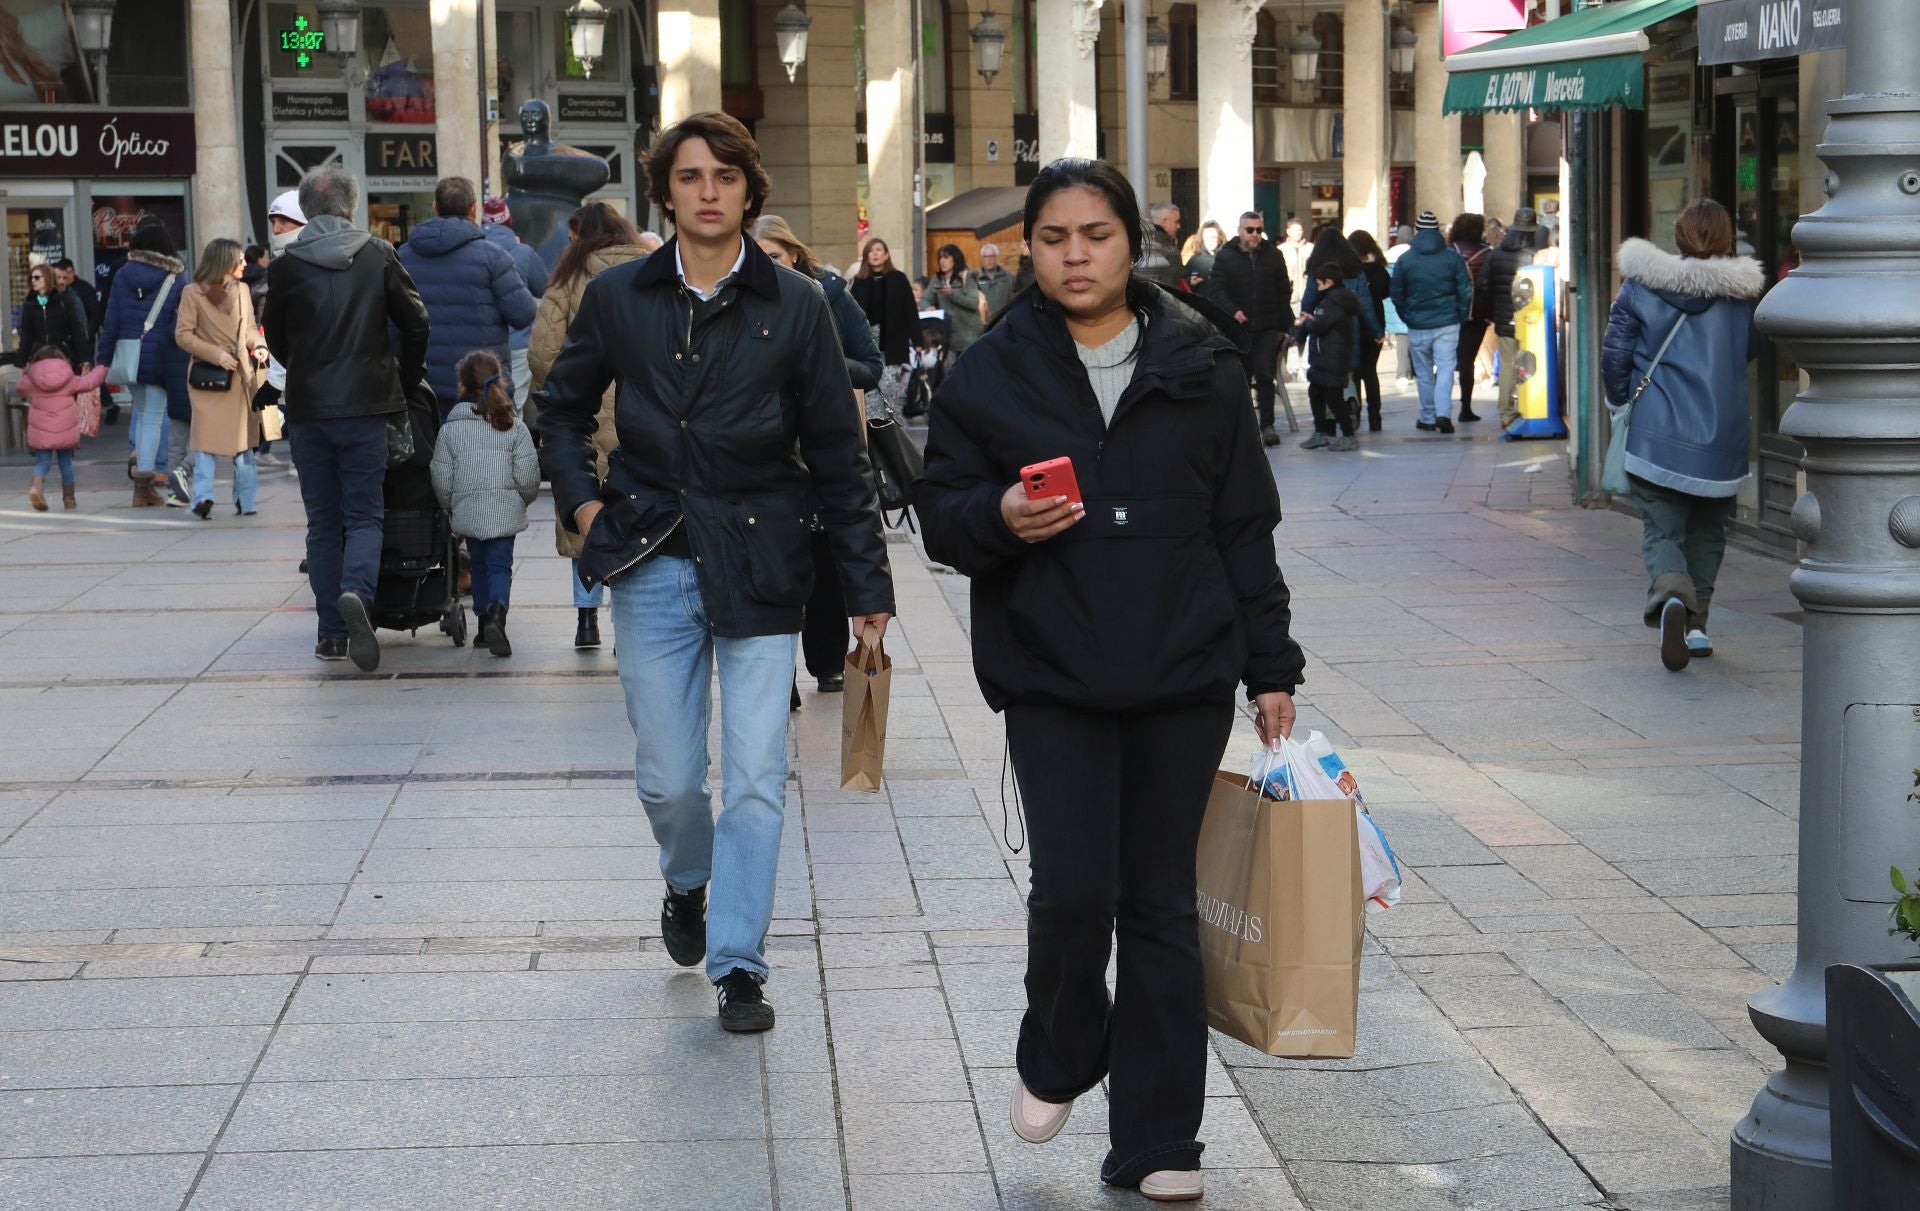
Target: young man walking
[1433, 293]
[732, 402]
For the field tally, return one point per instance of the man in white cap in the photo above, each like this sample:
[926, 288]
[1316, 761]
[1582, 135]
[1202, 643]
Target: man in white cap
[284, 221]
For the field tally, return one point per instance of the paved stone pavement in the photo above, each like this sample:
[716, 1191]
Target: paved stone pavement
[276, 937]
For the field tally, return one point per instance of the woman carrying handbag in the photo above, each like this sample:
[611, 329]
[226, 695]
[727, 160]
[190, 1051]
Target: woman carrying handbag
[216, 328]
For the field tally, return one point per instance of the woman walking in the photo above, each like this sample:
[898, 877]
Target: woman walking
[954, 291]
[52, 317]
[886, 296]
[1196, 255]
[1678, 342]
[601, 238]
[1366, 371]
[144, 306]
[216, 328]
[1468, 238]
[1112, 633]
[824, 636]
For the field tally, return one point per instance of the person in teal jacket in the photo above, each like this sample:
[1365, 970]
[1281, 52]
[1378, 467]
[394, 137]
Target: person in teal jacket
[1433, 293]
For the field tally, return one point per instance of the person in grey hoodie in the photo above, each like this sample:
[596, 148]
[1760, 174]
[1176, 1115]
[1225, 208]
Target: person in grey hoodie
[496, 223]
[471, 287]
[485, 473]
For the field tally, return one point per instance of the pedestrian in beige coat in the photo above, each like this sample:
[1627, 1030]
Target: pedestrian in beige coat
[601, 238]
[217, 329]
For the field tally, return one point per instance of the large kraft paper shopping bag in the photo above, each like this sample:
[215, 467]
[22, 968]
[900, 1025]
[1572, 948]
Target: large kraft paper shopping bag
[1281, 920]
[863, 717]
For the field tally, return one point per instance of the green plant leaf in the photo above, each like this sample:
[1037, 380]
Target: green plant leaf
[1899, 881]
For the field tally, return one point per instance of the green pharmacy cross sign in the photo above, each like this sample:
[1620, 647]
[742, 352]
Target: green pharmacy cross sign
[302, 42]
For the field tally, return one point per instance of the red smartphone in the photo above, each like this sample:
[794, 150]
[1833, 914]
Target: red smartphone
[1055, 477]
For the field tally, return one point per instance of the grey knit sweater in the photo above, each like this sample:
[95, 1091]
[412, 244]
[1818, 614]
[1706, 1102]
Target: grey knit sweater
[486, 478]
[1110, 367]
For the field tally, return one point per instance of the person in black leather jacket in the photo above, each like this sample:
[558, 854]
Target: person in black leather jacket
[331, 301]
[728, 373]
[1113, 637]
[1250, 283]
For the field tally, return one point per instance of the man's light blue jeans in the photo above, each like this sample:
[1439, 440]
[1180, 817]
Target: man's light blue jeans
[1436, 356]
[667, 654]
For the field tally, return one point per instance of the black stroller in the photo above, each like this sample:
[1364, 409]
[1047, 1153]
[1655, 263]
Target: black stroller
[419, 581]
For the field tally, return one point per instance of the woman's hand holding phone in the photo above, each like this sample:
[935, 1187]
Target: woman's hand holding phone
[1038, 520]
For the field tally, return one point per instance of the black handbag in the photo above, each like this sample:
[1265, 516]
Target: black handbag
[205, 376]
[897, 464]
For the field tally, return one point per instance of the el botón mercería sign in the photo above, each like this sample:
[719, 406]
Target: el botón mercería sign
[1604, 83]
[51, 143]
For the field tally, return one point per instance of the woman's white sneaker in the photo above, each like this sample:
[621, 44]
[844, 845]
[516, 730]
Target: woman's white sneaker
[1173, 1185]
[1033, 1120]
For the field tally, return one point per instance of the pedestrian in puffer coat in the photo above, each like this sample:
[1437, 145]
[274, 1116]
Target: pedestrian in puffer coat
[496, 223]
[52, 316]
[485, 473]
[1332, 336]
[53, 417]
[474, 295]
[160, 387]
[1687, 439]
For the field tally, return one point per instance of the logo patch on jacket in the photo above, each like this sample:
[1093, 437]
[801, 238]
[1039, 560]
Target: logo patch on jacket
[1120, 515]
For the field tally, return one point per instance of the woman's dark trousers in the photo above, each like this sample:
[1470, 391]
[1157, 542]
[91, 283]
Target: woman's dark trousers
[823, 639]
[1473, 334]
[1366, 379]
[1114, 804]
[1683, 540]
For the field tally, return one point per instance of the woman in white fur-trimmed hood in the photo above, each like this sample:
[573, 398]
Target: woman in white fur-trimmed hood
[1688, 440]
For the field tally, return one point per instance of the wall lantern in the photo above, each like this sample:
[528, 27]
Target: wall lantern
[93, 26]
[1157, 42]
[1303, 54]
[790, 27]
[340, 22]
[1404, 44]
[587, 33]
[989, 39]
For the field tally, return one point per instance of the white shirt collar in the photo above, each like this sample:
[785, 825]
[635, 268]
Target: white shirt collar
[680, 267]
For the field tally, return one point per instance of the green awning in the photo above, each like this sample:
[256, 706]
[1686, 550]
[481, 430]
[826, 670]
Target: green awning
[1590, 59]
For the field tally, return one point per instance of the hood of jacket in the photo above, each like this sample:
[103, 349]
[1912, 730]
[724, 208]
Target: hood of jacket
[440, 236]
[1691, 284]
[613, 254]
[160, 261]
[329, 242]
[1428, 242]
[49, 376]
[494, 233]
[464, 413]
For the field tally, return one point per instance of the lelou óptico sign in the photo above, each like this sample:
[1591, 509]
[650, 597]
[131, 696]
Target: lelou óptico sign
[42, 143]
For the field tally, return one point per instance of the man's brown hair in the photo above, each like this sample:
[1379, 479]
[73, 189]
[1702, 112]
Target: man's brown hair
[453, 198]
[1704, 229]
[730, 143]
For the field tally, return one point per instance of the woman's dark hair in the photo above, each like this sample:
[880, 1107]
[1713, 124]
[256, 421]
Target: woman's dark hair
[594, 226]
[866, 266]
[150, 235]
[959, 259]
[1365, 246]
[482, 383]
[1103, 178]
[730, 142]
[255, 252]
[1331, 251]
[1468, 228]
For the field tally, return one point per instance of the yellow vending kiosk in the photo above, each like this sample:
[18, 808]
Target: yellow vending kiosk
[1538, 396]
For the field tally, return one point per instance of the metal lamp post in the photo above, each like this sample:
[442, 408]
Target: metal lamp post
[587, 33]
[1134, 19]
[93, 30]
[1850, 316]
[1303, 57]
[790, 27]
[340, 22]
[989, 39]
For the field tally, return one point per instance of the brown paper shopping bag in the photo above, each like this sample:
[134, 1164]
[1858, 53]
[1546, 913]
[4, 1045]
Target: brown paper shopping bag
[863, 718]
[1281, 920]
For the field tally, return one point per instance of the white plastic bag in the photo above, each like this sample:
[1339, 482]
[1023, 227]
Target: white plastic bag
[1314, 771]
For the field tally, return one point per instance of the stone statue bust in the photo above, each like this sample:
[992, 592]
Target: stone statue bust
[547, 181]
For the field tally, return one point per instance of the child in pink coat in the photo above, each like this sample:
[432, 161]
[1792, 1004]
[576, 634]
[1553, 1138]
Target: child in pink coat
[53, 418]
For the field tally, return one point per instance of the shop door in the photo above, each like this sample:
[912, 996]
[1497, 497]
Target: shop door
[38, 230]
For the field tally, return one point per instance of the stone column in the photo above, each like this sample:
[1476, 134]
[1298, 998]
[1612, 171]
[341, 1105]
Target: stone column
[892, 126]
[981, 111]
[1066, 88]
[1226, 32]
[806, 140]
[1436, 136]
[1367, 149]
[490, 69]
[219, 181]
[456, 89]
[1506, 156]
[689, 48]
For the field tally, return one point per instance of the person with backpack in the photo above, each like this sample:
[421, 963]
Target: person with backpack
[485, 473]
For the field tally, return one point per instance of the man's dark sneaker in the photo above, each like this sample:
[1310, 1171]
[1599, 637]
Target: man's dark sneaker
[1673, 635]
[793, 699]
[743, 1007]
[1269, 436]
[1468, 416]
[683, 925]
[493, 631]
[834, 684]
[362, 648]
[1426, 426]
[331, 647]
[1446, 426]
[587, 633]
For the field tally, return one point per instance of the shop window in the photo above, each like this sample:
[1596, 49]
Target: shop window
[935, 77]
[609, 68]
[1273, 82]
[397, 44]
[515, 58]
[1183, 54]
[41, 64]
[738, 60]
[114, 217]
[288, 32]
